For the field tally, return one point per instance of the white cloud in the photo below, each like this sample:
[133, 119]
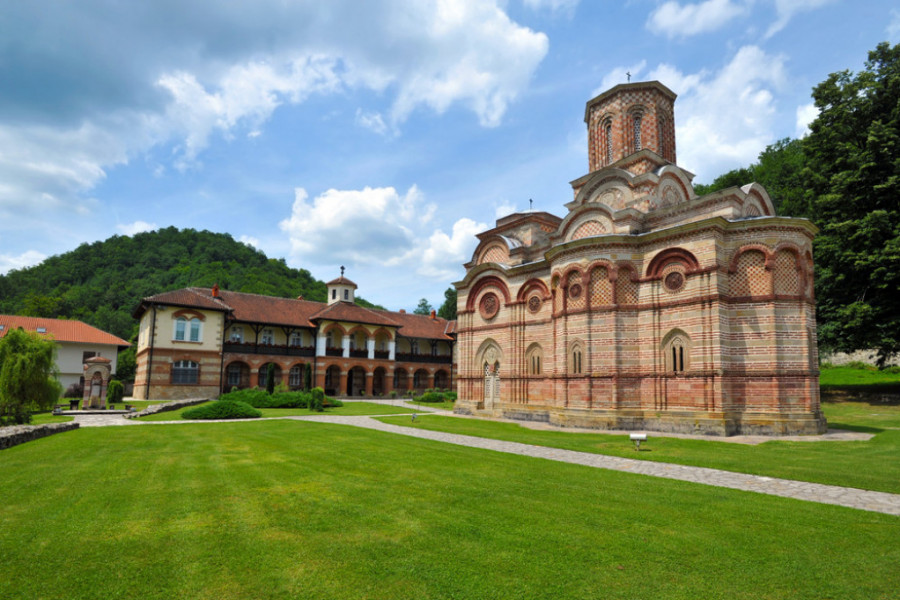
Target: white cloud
[786, 9]
[250, 241]
[368, 226]
[552, 5]
[378, 226]
[372, 121]
[673, 19]
[620, 75]
[504, 209]
[893, 28]
[130, 229]
[806, 114]
[230, 73]
[725, 119]
[29, 258]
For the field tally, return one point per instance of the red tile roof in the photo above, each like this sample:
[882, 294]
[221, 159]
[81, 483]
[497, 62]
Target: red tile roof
[256, 308]
[342, 281]
[60, 330]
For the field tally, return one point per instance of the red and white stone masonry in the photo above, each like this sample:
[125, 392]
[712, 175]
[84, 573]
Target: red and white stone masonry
[646, 306]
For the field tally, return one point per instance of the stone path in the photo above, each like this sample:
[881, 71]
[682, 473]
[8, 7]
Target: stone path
[800, 490]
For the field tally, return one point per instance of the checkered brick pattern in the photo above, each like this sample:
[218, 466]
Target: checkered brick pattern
[495, 254]
[589, 229]
[786, 277]
[626, 289]
[601, 288]
[750, 278]
[576, 292]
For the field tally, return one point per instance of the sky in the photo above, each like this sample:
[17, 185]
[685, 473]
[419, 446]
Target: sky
[381, 135]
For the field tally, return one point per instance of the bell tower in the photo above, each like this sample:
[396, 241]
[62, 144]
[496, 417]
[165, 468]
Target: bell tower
[629, 118]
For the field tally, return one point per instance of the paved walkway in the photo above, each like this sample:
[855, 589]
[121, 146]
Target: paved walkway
[800, 490]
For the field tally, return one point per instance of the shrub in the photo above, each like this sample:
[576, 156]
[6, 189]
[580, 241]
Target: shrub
[270, 379]
[317, 399]
[222, 409]
[75, 390]
[393, 394]
[450, 396]
[115, 391]
[431, 397]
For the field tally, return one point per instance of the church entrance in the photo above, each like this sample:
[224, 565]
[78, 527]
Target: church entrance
[491, 385]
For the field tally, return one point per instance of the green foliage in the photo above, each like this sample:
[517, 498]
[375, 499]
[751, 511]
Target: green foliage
[27, 376]
[436, 396]
[270, 378]
[126, 366]
[854, 174]
[317, 399]
[307, 376]
[448, 308]
[102, 283]
[424, 307]
[222, 409]
[258, 398]
[115, 391]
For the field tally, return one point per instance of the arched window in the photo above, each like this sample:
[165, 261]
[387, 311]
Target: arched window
[637, 118]
[676, 353]
[533, 359]
[608, 139]
[576, 359]
[295, 376]
[185, 372]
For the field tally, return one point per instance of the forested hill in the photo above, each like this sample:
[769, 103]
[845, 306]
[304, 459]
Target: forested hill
[102, 283]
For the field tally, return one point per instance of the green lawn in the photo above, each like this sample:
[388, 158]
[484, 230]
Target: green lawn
[871, 465]
[443, 405]
[42, 418]
[350, 409]
[859, 377]
[284, 509]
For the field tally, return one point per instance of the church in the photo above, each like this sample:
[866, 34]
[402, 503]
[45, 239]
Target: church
[645, 306]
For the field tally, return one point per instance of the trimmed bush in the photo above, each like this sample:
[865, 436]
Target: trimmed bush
[115, 391]
[222, 409]
[75, 390]
[317, 399]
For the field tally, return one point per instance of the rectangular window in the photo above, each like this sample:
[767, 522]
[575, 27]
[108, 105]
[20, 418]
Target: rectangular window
[180, 324]
[195, 330]
[185, 372]
[237, 334]
[268, 338]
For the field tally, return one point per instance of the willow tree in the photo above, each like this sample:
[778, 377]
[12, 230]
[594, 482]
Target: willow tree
[27, 376]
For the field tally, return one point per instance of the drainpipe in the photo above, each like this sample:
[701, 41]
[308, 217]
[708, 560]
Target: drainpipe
[152, 341]
[225, 325]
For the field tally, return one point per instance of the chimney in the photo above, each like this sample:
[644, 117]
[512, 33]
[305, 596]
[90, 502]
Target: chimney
[300, 297]
[433, 314]
[215, 290]
[402, 311]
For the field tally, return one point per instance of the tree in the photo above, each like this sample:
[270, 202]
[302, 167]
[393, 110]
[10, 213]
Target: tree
[448, 308]
[424, 307]
[270, 379]
[27, 376]
[853, 172]
[126, 366]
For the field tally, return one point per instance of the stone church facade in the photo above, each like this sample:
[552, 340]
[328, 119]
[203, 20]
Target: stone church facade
[646, 306]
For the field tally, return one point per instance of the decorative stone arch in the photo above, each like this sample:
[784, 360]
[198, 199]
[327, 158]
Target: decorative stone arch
[481, 285]
[383, 332]
[488, 360]
[672, 189]
[576, 359]
[588, 220]
[97, 371]
[676, 352]
[189, 313]
[575, 288]
[557, 293]
[356, 381]
[332, 382]
[534, 293]
[441, 379]
[757, 193]
[635, 131]
[609, 181]
[669, 255]
[401, 380]
[534, 360]
[733, 263]
[379, 381]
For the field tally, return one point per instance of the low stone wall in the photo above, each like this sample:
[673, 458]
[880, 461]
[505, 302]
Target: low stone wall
[166, 407]
[19, 434]
[870, 357]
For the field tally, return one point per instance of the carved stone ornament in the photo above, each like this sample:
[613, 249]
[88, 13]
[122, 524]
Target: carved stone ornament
[534, 304]
[575, 290]
[489, 306]
[674, 281]
[490, 357]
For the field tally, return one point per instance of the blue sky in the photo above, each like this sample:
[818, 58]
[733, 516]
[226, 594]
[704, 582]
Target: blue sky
[380, 135]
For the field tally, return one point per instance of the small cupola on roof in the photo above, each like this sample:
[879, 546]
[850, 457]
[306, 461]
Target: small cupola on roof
[341, 289]
[629, 118]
